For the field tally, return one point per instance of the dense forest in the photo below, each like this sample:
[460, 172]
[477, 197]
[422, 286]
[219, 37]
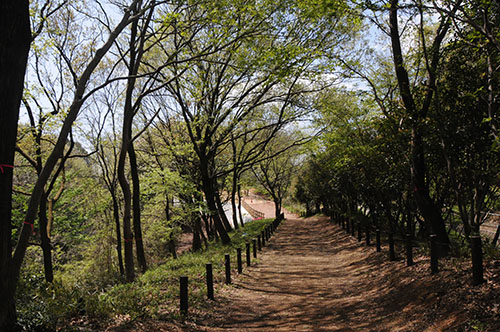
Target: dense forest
[126, 125]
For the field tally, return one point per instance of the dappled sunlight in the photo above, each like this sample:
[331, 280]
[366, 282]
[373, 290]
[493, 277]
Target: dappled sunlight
[314, 277]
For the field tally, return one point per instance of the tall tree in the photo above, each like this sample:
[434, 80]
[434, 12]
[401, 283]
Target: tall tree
[263, 50]
[418, 111]
[14, 48]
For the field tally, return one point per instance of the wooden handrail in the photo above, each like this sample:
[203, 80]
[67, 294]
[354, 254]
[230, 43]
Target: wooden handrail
[254, 213]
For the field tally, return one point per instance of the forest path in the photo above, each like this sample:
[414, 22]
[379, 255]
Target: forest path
[313, 277]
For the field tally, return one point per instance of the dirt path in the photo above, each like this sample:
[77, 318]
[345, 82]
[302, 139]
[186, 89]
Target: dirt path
[313, 277]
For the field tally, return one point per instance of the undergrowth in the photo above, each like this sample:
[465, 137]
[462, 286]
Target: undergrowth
[77, 296]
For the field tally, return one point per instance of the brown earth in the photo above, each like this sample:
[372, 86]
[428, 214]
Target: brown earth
[314, 277]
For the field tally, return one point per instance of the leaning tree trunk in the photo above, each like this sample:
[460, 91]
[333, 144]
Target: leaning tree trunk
[58, 149]
[14, 47]
[222, 213]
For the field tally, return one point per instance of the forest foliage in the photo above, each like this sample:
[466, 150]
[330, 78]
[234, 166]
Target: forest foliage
[144, 121]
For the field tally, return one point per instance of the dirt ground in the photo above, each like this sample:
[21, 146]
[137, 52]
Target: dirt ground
[314, 277]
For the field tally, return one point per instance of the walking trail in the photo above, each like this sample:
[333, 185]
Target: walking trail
[313, 277]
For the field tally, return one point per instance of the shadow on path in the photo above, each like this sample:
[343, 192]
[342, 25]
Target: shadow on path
[314, 277]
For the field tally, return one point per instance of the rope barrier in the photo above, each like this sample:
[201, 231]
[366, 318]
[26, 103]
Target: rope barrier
[5, 165]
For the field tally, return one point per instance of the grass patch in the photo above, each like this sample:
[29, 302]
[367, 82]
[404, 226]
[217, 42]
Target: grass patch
[156, 293]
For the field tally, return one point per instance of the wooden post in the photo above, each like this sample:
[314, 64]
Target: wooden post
[434, 254]
[377, 237]
[392, 252]
[263, 238]
[353, 231]
[254, 243]
[210, 282]
[347, 228]
[248, 253]
[360, 234]
[409, 250]
[228, 269]
[259, 243]
[184, 295]
[238, 257]
[477, 260]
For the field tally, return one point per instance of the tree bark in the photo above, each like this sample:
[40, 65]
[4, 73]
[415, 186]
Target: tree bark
[127, 206]
[46, 246]
[239, 207]
[136, 200]
[222, 213]
[234, 188]
[277, 206]
[209, 191]
[196, 233]
[116, 217]
[136, 52]
[14, 47]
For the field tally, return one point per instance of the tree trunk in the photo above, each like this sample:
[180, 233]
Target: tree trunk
[426, 205]
[127, 207]
[428, 209]
[208, 227]
[116, 217]
[128, 116]
[196, 234]
[277, 204]
[139, 246]
[209, 191]
[234, 209]
[222, 213]
[239, 207]
[46, 246]
[14, 47]
[171, 242]
[219, 226]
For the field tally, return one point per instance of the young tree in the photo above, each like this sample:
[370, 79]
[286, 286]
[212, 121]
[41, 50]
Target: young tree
[275, 172]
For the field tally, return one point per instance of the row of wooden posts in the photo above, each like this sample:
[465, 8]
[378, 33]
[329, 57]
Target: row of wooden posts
[350, 225]
[257, 245]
